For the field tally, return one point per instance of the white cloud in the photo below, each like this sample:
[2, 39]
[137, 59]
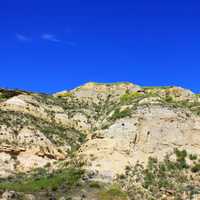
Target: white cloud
[22, 37]
[50, 37]
[45, 36]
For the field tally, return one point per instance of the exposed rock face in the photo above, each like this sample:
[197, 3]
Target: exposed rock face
[152, 131]
[27, 149]
[31, 134]
[123, 123]
[96, 92]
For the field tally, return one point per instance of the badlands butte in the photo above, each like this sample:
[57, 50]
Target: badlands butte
[115, 141]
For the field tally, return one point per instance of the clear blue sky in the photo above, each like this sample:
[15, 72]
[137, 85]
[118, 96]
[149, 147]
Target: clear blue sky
[59, 44]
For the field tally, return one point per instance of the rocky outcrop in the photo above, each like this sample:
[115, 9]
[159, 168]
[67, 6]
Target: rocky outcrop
[27, 150]
[108, 126]
[97, 92]
[152, 131]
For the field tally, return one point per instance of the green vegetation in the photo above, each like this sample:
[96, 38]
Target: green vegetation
[181, 158]
[64, 135]
[68, 104]
[69, 177]
[193, 106]
[6, 94]
[113, 193]
[170, 178]
[120, 114]
[156, 87]
[95, 184]
[65, 95]
[169, 98]
[128, 97]
[193, 157]
[196, 168]
[2, 96]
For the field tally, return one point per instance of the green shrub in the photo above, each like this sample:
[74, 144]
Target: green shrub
[113, 193]
[2, 96]
[95, 184]
[196, 168]
[68, 177]
[120, 114]
[193, 156]
[168, 98]
[128, 97]
[65, 94]
[82, 138]
[158, 178]
[180, 154]
[6, 94]
[181, 158]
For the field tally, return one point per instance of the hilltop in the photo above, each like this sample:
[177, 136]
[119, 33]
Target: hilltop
[115, 141]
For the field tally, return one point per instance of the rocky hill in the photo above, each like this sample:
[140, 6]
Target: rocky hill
[114, 141]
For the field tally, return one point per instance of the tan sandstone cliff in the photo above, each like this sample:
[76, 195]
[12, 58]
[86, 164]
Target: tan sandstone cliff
[108, 126]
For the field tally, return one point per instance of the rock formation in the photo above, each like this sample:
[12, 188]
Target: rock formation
[106, 126]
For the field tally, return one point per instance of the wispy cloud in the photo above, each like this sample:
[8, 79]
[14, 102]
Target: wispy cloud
[50, 37]
[22, 37]
[46, 36]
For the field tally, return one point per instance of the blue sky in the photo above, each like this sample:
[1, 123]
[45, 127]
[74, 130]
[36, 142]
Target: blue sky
[53, 45]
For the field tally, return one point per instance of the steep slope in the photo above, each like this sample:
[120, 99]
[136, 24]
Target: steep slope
[34, 132]
[140, 123]
[104, 128]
